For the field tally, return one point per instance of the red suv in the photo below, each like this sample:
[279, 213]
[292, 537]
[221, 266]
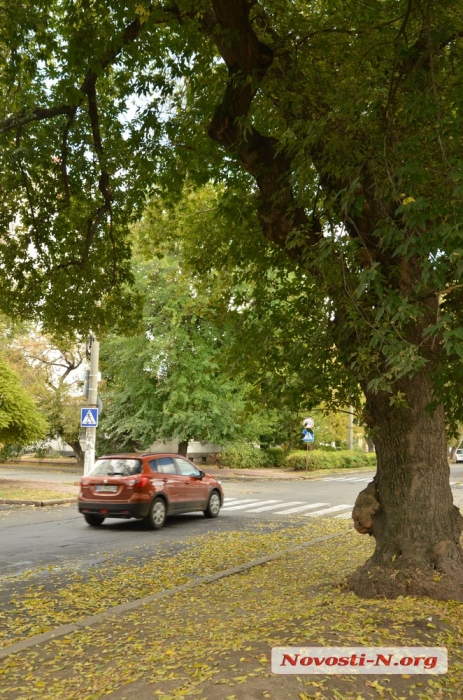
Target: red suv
[148, 487]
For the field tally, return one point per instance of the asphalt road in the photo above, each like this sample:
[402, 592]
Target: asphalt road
[33, 537]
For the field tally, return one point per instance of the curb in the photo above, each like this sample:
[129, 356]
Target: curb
[134, 604]
[288, 476]
[56, 502]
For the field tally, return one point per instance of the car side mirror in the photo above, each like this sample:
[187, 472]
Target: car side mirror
[201, 474]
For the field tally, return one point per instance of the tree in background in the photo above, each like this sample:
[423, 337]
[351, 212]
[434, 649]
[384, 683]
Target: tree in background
[341, 123]
[168, 382]
[45, 368]
[20, 421]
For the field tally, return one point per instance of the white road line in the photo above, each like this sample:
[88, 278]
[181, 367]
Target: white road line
[326, 511]
[243, 500]
[250, 504]
[347, 478]
[344, 516]
[452, 483]
[231, 500]
[339, 478]
[296, 510]
[278, 504]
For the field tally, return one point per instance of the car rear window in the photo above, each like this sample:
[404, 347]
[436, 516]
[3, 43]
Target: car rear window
[116, 467]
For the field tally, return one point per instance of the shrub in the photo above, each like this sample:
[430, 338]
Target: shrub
[275, 456]
[11, 452]
[243, 455]
[41, 449]
[321, 459]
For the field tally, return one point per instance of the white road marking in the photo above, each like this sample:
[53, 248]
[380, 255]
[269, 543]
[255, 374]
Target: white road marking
[277, 504]
[299, 508]
[251, 502]
[325, 511]
[345, 516]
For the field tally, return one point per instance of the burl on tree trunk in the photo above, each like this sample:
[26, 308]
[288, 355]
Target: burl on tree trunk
[408, 507]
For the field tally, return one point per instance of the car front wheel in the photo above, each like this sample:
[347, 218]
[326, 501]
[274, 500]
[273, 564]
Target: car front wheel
[157, 515]
[213, 505]
[93, 520]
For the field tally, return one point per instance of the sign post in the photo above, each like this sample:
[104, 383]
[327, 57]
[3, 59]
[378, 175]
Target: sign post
[89, 415]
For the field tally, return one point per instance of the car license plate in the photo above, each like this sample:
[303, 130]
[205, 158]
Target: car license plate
[106, 487]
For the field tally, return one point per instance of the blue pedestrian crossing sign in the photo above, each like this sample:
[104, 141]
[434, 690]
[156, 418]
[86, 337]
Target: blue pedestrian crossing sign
[308, 436]
[88, 417]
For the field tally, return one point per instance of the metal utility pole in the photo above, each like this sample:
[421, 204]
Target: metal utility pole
[350, 429]
[93, 347]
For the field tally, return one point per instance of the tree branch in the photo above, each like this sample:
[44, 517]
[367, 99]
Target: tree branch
[64, 155]
[38, 114]
[248, 60]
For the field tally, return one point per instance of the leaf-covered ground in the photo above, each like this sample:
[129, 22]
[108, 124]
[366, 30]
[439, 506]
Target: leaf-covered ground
[214, 642]
[63, 596]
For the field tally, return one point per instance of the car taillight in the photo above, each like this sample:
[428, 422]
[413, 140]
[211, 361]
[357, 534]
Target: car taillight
[84, 482]
[138, 482]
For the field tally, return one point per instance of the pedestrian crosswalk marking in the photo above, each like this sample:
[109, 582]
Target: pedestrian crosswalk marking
[325, 511]
[250, 502]
[299, 508]
[278, 507]
[347, 478]
[276, 504]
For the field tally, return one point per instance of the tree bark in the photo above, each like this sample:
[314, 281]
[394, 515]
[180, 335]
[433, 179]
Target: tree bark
[76, 446]
[408, 507]
[183, 447]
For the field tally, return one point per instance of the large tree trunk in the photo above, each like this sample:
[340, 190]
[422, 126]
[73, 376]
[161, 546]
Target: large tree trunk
[408, 507]
[183, 447]
[80, 456]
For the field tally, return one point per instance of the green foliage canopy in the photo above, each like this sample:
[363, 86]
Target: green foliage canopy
[20, 422]
[169, 382]
[341, 123]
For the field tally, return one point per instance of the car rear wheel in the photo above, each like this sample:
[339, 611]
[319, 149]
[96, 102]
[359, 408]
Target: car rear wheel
[93, 520]
[157, 515]
[213, 505]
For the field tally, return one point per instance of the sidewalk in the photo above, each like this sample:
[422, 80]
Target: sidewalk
[213, 640]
